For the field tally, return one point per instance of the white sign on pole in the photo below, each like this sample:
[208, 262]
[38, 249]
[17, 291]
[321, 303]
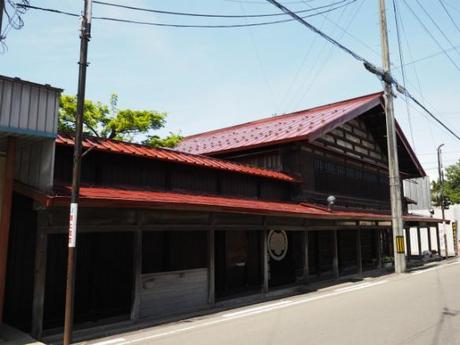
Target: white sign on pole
[73, 225]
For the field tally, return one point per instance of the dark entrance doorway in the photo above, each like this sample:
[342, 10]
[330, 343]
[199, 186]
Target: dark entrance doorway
[369, 248]
[238, 262]
[321, 254]
[285, 270]
[104, 278]
[347, 242]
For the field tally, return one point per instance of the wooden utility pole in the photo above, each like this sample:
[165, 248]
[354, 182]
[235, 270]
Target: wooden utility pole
[2, 7]
[69, 296]
[441, 198]
[393, 164]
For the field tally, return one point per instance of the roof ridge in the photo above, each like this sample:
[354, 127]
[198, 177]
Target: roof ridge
[189, 137]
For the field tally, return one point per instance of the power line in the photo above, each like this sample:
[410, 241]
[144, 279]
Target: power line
[129, 21]
[437, 26]
[428, 56]
[403, 70]
[449, 15]
[368, 65]
[431, 35]
[207, 15]
[329, 54]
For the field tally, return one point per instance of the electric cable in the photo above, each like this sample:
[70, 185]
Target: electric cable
[437, 26]
[207, 15]
[130, 21]
[403, 70]
[449, 15]
[431, 35]
[368, 65]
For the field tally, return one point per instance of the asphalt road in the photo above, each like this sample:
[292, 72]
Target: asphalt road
[416, 308]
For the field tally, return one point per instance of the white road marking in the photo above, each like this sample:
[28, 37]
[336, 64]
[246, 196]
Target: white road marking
[359, 286]
[249, 312]
[111, 341]
[257, 309]
[424, 271]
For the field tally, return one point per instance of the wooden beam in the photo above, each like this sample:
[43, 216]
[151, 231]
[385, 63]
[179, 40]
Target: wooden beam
[137, 274]
[306, 268]
[38, 302]
[419, 240]
[359, 254]
[264, 261]
[7, 197]
[335, 259]
[211, 267]
[428, 230]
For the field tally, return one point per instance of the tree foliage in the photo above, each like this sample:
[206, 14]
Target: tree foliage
[451, 185]
[108, 121]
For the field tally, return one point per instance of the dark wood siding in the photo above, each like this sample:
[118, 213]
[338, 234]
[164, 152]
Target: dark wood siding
[109, 169]
[21, 259]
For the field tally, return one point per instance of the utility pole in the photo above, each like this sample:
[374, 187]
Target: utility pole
[393, 164]
[85, 36]
[441, 197]
[2, 8]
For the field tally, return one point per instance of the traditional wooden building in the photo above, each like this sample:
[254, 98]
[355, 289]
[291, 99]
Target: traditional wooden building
[164, 232]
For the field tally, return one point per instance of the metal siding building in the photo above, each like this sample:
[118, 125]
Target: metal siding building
[28, 108]
[28, 127]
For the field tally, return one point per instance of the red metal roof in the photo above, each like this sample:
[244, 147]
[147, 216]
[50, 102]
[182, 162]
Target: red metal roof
[120, 147]
[301, 125]
[134, 198]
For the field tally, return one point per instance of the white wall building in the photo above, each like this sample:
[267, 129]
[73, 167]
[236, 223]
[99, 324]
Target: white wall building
[419, 191]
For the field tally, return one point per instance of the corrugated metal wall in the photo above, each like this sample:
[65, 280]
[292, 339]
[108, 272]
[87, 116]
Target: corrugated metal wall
[28, 108]
[35, 163]
[418, 189]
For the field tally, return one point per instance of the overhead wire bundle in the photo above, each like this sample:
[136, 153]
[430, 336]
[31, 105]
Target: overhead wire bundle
[13, 13]
[333, 6]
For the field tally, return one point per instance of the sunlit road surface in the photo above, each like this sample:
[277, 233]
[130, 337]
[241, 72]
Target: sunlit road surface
[422, 307]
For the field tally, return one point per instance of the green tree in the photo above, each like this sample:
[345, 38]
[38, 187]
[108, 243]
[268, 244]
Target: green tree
[108, 121]
[451, 185]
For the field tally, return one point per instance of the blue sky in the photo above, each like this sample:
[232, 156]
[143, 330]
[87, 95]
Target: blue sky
[206, 79]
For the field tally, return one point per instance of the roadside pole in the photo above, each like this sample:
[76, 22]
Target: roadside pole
[2, 7]
[393, 165]
[83, 64]
[441, 198]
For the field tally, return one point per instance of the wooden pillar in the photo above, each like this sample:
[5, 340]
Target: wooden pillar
[211, 268]
[264, 261]
[137, 274]
[318, 255]
[306, 271]
[335, 260]
[419, 240]
[428, 230]
[359, 255]
[379, 249]
[38, 302]
[5, 216]
[438, 240]
[408, 243]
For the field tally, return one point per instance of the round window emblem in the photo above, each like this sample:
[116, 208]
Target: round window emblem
[277, 244]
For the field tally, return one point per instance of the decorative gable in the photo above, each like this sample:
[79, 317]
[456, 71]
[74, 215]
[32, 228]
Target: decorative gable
[354, 139]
